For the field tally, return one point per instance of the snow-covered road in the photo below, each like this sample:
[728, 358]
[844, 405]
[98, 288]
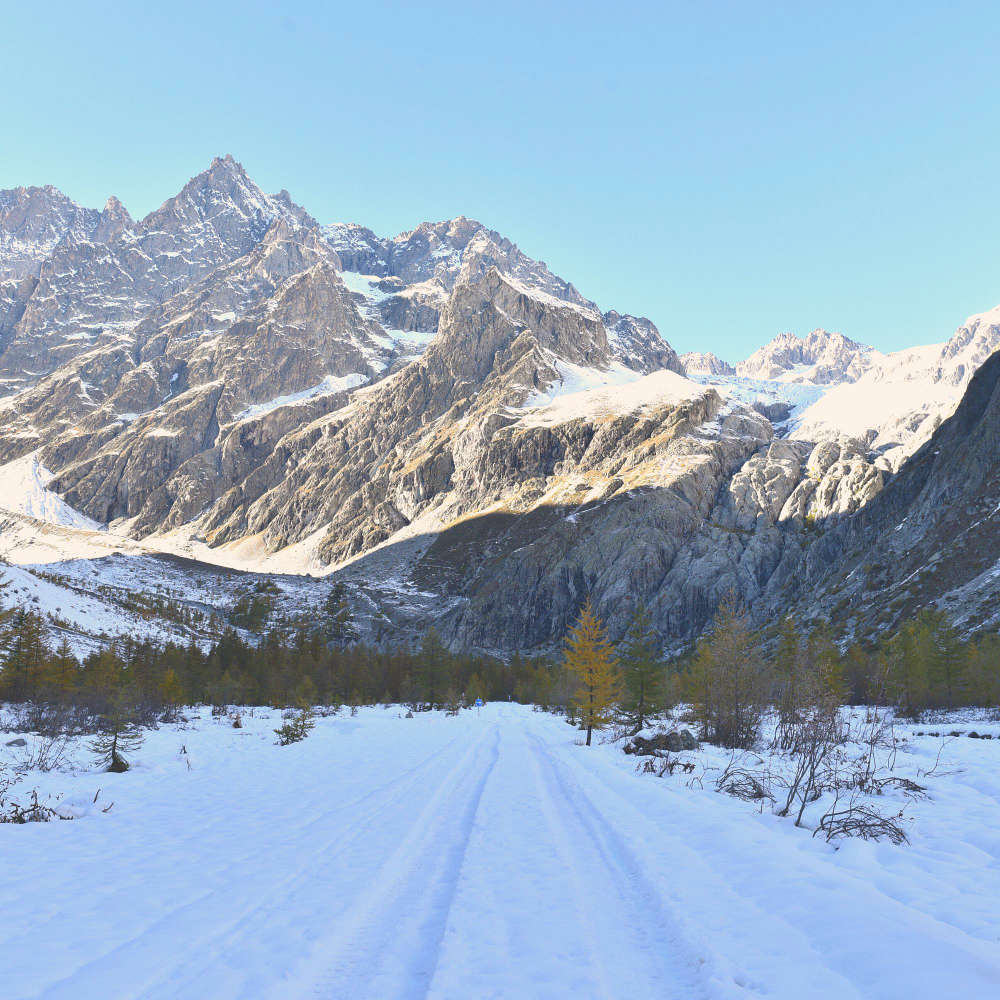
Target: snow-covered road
[473, 857]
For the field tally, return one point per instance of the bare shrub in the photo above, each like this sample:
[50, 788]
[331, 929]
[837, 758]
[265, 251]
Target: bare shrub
[45, 753]
[752, 784]
[34, 811]
[857, 818]
[814, 737]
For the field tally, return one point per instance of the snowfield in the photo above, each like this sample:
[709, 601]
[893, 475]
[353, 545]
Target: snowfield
[482, 856]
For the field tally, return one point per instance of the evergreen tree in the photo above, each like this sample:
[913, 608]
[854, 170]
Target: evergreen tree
[340, 621]
[171, 691]
[119, 735]
[25, 655]
[643, 674]
[590, 660]
[61, 674]
[432, 668]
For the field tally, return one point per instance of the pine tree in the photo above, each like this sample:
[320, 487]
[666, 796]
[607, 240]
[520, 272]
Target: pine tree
[340, 620]
[171, 691]
[119, 735]
[61, 672]
[643, 673]
[590, 661]
[729, 684]
[24, 655]
[432, 668]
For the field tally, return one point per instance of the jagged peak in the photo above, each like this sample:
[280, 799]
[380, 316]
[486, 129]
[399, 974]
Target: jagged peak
[113, 207]
[705, 363]
[10, 196]
[224, 176]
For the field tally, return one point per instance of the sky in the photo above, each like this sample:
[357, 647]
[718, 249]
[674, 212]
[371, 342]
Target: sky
[731, 170]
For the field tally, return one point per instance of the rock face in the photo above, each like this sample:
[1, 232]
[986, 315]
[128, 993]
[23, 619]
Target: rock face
[931, 536]
[697, 363]
[104, 272]
[821, 358]
[457, 432]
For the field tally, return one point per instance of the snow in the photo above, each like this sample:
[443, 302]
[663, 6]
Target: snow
[902, 399]
[582, 393]
[330, 384]
[796, 395]
[363, 284]
[481, 856]
[23, 490]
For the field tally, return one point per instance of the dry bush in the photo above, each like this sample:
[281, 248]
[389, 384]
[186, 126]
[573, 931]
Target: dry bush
[34, 811]
[857, 818]
[752, 784]
[815, 737]
[45, 753]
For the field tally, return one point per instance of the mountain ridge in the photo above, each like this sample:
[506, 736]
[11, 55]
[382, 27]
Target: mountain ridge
[433, 417]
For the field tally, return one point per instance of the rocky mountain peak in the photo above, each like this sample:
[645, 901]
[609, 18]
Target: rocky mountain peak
[221, 192]
[821, 357]
[698, 363]
[487, 313]
[114, 221]
[33, 222]
[972, 343]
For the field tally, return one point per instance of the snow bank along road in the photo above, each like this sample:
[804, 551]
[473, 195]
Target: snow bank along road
[475, 857]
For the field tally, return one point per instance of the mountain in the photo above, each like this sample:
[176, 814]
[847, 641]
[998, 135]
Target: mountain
[105, 272]
[436, 419]
[699, 363]
[821, 358]
[932, 536]
[901, 398]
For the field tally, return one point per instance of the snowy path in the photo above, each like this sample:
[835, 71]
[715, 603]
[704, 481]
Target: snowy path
[465, 858]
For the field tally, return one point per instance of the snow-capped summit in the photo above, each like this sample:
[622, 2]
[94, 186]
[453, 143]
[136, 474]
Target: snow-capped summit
[821, 357]
[705, 363]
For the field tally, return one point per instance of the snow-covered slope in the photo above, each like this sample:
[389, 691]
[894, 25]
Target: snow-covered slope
[24, 490]
[499, 859]
[900, 400]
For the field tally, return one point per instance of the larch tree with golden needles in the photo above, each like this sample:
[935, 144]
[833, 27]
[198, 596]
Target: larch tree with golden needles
[590, 662]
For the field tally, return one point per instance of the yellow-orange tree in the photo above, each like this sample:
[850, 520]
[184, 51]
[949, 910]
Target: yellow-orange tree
[590, 661]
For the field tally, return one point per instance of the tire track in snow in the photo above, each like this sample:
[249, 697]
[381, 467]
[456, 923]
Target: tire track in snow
[390, 939]
[808, 966]
[243, 898]
[613, 893]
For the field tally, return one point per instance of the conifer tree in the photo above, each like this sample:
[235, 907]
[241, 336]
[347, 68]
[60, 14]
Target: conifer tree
[340, 620]
[24, 655]
[432, 668]
[171, 691]
[119, 735]
[61, 672]
[590, 661]
[643, 673]
[729, 683]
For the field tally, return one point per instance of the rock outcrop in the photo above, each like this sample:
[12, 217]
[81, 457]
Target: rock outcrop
[463, 437]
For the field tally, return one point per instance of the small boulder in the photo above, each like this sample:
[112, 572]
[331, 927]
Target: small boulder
[19, 742]
[674, 742]
[681, 739]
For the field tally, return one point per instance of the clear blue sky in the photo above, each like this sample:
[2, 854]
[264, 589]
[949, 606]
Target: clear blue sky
[731, 170]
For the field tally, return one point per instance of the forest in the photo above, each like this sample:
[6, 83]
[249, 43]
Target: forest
[923, 665]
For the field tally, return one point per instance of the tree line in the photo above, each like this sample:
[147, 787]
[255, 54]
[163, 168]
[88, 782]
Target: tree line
[730, 677]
